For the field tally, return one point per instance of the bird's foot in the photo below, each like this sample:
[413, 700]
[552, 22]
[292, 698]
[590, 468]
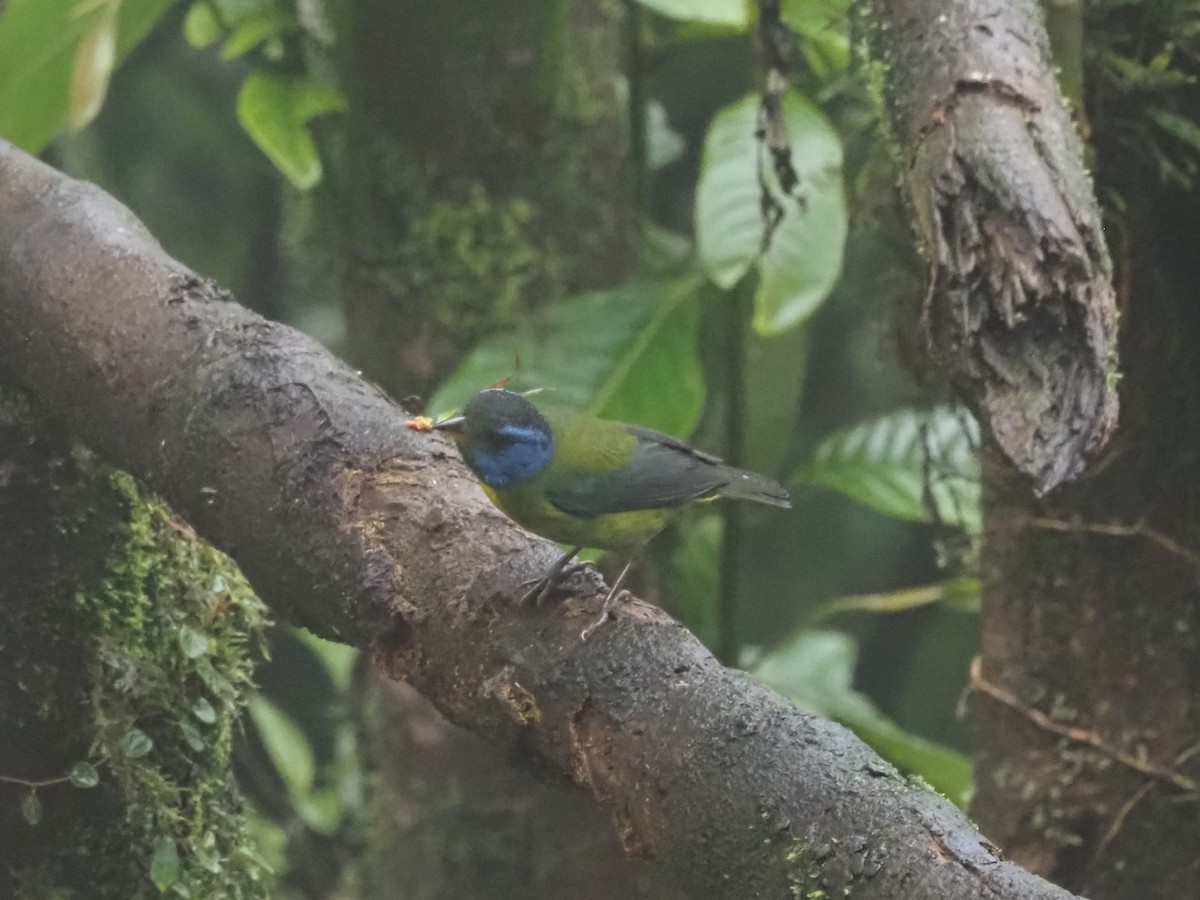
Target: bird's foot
[541, 589]
[615, 595]
[613, 598]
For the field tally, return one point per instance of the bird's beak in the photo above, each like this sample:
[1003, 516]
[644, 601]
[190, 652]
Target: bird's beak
[453, 427]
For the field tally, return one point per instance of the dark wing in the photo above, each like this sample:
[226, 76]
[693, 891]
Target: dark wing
[662, 472]
[737, 484]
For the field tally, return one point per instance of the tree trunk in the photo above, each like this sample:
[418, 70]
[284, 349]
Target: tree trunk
[1086, 700]
[1091, 615]
[481, 171]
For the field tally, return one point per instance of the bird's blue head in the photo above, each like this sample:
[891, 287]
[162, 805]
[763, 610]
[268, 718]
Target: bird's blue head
[502, 438]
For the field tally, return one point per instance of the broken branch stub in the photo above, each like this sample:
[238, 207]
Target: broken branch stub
[1021, 312]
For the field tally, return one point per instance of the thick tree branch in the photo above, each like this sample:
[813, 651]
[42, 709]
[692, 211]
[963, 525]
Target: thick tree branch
[364, 531]
[1021, 313]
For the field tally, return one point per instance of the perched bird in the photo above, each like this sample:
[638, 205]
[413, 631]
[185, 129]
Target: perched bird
[589, 482]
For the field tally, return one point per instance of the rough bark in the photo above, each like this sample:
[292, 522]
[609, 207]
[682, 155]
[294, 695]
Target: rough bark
[1089, 702]
[1086, 701]
[1020, 314]
[349, 523]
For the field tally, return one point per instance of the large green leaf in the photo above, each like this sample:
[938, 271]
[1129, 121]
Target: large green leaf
[804, 257]
[693, 569]
[899, 462]
[774, 380]
[286, 745]
[735, 13]
[93, 67]
[39, 40]
[816, 670]
[275, 111]
[337, 659]
[628, 353]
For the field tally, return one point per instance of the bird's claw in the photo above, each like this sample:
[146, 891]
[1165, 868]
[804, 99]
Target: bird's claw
[542, 589]
[605, 613]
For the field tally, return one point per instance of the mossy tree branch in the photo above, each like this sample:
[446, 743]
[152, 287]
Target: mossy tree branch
[364, 531]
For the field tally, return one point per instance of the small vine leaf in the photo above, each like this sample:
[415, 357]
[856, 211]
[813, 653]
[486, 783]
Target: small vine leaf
[192, 736]
[203, 710]
[31, 808]
[164, 865]
[136, 743]
[83, 775]
[192, 642]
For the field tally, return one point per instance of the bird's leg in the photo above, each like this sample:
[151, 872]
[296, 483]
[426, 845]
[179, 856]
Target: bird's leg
[614, 594]
[543, 587]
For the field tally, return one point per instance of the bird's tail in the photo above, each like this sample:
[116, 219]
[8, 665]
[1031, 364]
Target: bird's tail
[744, 485]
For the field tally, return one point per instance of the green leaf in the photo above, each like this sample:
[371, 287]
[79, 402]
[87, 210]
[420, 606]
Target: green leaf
[203, 710]
[218, 684]
[192, 736]
[285, 744]
[275, 112]
[39, 40]
[774, 381]
[629, 353]
[661, 251]
[822, 23]
[192, 643]
[164, 865]
[815, 669]
[721, 12]
[83, 775]
[254, 30]
[693, 571]
[337, 659]
[1180, 127]
[31, 808]
[92, 69]
[664, 144]
[885, 463]
[136, 743]
[804, 258]
[322, 811]
[250, 852]
[200, 26]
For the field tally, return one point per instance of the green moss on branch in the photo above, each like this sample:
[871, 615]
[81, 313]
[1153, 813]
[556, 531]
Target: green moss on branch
[125, 645]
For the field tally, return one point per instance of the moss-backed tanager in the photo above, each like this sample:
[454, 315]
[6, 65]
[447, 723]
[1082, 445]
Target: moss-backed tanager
[589, 482]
